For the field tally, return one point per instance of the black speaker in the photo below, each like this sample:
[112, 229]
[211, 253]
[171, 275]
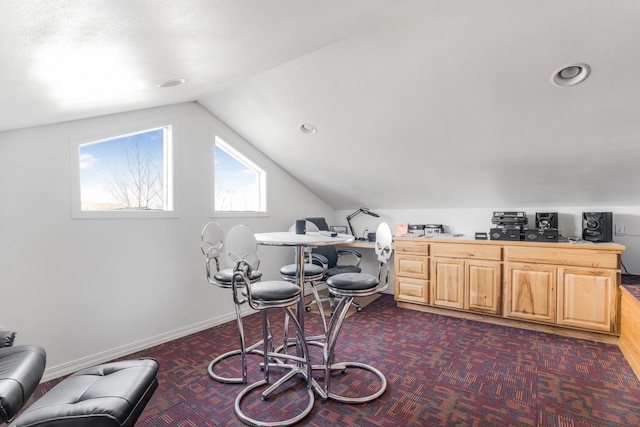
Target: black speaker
[597, 226]
[546, 220]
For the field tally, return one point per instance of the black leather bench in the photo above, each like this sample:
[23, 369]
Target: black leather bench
[111, 394]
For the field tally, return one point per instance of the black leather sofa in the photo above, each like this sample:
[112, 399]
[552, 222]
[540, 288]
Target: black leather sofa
[112, 394]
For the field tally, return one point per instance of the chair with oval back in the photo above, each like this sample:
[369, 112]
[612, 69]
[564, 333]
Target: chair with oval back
[212, 247]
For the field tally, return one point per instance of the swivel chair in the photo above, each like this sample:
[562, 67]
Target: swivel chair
[263, 296]
[347, 286]
[329, 256]
[212, 247]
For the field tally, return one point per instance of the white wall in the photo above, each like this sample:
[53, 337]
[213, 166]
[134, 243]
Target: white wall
[92, 289]
[468, 221]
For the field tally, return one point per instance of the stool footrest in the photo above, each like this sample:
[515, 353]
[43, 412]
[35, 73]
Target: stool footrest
[358, 399]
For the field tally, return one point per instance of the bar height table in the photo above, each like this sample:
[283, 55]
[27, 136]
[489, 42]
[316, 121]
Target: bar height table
[300, 242]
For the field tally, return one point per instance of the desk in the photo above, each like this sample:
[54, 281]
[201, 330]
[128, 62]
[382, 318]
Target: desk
[301, 241]
[362, 244]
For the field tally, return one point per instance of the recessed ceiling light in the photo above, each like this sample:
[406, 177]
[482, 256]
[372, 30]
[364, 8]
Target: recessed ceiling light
[307, 128]
[571, 75]
[173, 82]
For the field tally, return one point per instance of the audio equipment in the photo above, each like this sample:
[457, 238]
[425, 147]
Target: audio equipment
[546, 220]
[541, 235]
[509, 218]
[506, 233]
[597, 226]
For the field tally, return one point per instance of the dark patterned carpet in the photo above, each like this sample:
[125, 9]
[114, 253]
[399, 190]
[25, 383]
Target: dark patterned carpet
[441, 371]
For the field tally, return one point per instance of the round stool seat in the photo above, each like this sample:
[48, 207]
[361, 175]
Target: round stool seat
[352, 281]
[274, 290]
[310, 270]
[224, 277]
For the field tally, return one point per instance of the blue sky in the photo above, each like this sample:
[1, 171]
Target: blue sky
[98, 160]
[236, 183]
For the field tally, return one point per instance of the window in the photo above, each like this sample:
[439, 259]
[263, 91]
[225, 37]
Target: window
[240, 185]
[129, 173]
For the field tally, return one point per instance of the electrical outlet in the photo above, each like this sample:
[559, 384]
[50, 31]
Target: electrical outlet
[620, 229]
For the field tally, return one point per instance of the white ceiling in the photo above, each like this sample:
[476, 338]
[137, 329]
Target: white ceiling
[418, 103]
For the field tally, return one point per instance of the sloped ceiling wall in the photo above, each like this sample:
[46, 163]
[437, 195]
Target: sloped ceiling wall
[418, 103]
[453, 106]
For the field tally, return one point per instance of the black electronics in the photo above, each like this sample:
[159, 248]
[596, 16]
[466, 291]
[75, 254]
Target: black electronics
[597, 226]
[546, 220]
[481, 236]
[433, 229]
[426, 229]
[509, 218]
[541, 235]
[506, 233]
[371, 237]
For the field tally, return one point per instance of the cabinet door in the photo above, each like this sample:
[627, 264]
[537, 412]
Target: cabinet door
[588, 298]
[447, 282]
[484, 281]
[412, 290]
[530, 292]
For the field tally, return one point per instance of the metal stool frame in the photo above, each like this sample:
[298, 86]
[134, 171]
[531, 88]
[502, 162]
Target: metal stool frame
[212, 247]
[290, 296]
[383, 250]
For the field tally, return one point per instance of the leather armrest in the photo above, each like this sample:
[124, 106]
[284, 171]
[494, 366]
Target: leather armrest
[352, 252]
[320, 260]
[6, 338]
[21, 368]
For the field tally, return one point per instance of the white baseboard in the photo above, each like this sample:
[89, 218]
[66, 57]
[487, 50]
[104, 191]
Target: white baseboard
[115, 353]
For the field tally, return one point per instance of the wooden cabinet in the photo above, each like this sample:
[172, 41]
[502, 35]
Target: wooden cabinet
[588, 298]
[582, 293]
[465, 282]
[411, 271]
[567, 285]
[447, 282]
[530, 292]
[484, 281]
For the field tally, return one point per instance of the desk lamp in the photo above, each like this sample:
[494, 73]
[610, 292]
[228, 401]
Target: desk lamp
[359, 211]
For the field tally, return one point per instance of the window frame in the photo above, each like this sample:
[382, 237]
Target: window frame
[168, 170]
[223, 142]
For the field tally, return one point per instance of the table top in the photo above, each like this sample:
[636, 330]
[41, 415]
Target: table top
[312, 238]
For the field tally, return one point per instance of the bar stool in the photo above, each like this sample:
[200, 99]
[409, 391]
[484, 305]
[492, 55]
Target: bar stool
[212, 247]
[265, 296]
[347, 286]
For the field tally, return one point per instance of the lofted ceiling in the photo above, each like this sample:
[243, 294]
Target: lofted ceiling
[417, 103]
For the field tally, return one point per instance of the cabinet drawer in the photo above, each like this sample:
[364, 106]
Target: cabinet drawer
[469, 251]
[410, 247]
[412, 266]
[562, 256]
[412, 290]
